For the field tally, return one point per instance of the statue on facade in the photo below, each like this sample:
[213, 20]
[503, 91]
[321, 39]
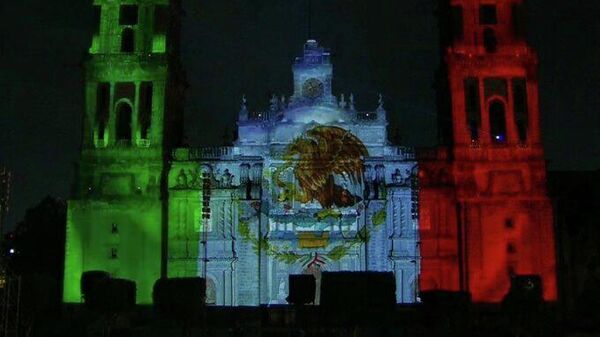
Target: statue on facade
[274, 107]
[226, 179]
[244, 109]
[194, 181]
[397, 177]
[182, 180]
[380, 103]
[343, 103]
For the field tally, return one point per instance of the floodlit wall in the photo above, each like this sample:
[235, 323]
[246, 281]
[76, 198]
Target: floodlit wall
[489, 188]
[117, 215]
[122, 238]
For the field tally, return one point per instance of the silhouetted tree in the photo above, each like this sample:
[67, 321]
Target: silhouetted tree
[37, 245]
[39, 240]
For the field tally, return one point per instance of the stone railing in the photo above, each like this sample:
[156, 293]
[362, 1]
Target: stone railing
[185, 154]
[404, 152]
[262, 116]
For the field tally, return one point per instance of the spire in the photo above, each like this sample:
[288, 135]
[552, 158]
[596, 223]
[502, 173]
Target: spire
[282, 102]
[274, 103]
[380, 109]
[380, 103]
[343, 104]
[244, 102]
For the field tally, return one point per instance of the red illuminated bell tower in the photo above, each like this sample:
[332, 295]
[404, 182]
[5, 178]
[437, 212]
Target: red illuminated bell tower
[485, 213]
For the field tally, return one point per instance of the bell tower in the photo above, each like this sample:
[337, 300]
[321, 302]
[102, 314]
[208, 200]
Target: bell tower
[492, 75]
[132, 118]
[313, 74]
[491, 218]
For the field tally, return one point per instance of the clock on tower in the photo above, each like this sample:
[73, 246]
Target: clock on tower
[312, 77]
[312, 88]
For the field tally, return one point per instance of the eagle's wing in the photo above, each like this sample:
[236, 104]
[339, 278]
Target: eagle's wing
[340, 152]
[310, 177]
[325, 151]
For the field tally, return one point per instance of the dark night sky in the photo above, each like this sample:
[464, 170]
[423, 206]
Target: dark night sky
[231, 47]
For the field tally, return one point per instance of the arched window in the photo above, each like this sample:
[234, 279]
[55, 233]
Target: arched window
[124, 112]
[489, 40]
[127, 40]
[497, 121]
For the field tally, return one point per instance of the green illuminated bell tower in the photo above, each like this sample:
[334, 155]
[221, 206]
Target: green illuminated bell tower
[133, 92]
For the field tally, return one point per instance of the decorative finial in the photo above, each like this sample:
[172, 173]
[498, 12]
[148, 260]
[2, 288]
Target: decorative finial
[282, 102]
[343, 102]
[380, 102]
[244, 109]
[274, 103]
[352, 102]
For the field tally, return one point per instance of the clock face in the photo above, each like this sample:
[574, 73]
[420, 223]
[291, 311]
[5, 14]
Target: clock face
[312, 88]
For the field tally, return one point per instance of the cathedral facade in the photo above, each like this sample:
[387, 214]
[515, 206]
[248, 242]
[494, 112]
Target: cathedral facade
[311, 184]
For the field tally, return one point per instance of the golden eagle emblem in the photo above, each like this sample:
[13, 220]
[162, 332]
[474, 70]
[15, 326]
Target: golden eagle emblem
[317, 157]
